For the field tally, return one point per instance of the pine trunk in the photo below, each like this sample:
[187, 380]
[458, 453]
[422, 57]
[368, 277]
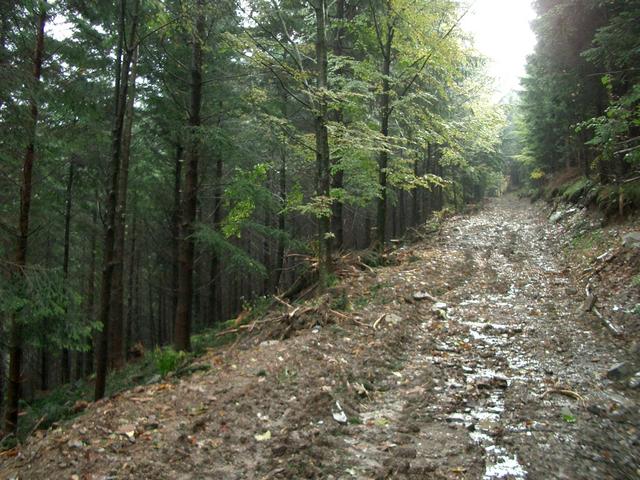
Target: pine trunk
[15, 331]
[123, 63]
[66, 356]
[117, 352]
[182, 340]
[215, 299]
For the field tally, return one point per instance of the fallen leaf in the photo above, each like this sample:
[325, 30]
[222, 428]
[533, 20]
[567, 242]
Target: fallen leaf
[263, 437]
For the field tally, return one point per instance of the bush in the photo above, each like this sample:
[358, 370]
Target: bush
[573, 191]
[609, 196]
[168, 360]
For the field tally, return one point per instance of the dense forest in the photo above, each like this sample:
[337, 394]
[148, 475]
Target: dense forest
[580, 106]
[166, 164]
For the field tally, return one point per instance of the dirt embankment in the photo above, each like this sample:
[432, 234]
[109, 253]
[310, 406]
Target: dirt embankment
[471, 358]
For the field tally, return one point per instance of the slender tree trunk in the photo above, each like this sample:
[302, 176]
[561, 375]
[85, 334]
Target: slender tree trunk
[383, 158]
[323, 160]
[4, 93]
[337, 181]
[91, 285]
[154, 330]
[117, 352]
[66, 357]
[132, 263]
[120, 100]
[175, 227]
[282, 219]
[15, 331]
[215, 297]
[182, 338]
[415, 197]
[428, 195]
[402, 220]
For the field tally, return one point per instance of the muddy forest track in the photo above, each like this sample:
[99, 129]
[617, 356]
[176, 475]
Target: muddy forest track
[504, 378]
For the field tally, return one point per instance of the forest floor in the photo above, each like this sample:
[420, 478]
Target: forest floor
[504, 376]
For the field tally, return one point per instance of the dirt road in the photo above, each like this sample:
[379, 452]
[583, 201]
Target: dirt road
[501, 378]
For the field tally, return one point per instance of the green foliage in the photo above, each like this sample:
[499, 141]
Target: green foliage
[608, 197]
[242, 196]
[573, 191]
[537, 174]
[581, 104]
[167, 360]
[237, 260]
[46, 308]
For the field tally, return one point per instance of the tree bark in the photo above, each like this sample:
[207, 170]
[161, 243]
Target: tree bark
[182, 340]
[383, 157]
[323, 160]
[282, 219]
[65, 369]
[15, 330]
[120, 99]
[117, 352]
[175, 227]
[337, 181]
[215, 297]
[415, 197]
[132, 263]
[91, 286]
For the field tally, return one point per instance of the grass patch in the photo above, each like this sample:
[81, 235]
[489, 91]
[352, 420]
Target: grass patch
[588, 241]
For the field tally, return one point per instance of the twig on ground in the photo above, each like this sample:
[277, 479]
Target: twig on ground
[565, 392]
[35, 427]
[338, 313]
[286, 304]
[375, 324]
[362, 323]
[617, 331]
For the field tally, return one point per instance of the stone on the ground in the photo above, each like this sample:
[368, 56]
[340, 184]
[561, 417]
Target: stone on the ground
[423, 296]
[634, 382]
[631, 240]
[392, 318]
[439, 306]
[620, 371]
[556, 217]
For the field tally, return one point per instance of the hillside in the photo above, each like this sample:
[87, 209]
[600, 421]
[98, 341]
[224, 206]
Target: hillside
[470, 356]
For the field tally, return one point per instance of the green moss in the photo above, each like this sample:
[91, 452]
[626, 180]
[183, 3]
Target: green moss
[588, 241]
[572, 192]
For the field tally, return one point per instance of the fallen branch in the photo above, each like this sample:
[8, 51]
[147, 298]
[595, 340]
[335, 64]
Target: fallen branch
[338, 313]
[365, 266]
[362, 323]
[35, 427]
[286, 304]
[249, 326]
[565, 392]
[591, 299]
[617, 331]
[605, 259]
[375, 324]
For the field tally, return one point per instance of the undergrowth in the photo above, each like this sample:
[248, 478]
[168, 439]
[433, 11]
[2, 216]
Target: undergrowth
[59, 405]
